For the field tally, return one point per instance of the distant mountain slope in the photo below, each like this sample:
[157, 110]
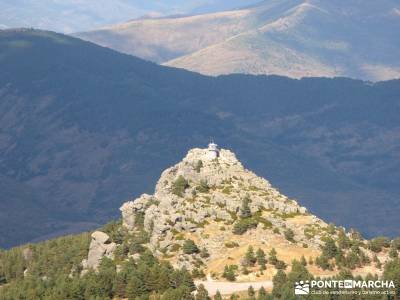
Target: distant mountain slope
[295, 38]
[84, 127]
[77, 15]
[160, 40]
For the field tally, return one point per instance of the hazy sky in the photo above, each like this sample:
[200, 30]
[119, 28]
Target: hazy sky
[79, 15]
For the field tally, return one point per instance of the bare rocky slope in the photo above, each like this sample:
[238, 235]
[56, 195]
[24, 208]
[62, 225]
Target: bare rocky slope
[207, 212]
[295, 38]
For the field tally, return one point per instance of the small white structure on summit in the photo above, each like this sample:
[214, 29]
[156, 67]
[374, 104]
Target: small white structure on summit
[212, 151]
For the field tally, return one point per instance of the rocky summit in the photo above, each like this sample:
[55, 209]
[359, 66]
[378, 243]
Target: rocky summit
[208, 213]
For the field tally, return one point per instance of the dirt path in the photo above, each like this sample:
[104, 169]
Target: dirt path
[232, 287]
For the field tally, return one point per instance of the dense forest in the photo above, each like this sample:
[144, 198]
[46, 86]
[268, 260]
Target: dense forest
[53, 270]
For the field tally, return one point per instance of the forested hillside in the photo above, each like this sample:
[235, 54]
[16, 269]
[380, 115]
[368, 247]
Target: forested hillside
[51, 270]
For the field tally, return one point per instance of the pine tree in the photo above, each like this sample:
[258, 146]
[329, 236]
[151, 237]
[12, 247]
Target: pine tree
[229, 273]
[151, 279]
[303, 261]
[343, 240]
[187, 280]
[134, 288]
[262, 294]
[245, 211]
[218, 296]
[392, 272]
[329, 250]
[272, 257]
[163, 279]
[202, 293]
[250, 291]
[260, 255]
[249, 257]
[279, 280]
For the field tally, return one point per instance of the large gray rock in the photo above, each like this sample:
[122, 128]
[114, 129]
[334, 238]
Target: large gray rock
[100, 246]
[130, 210]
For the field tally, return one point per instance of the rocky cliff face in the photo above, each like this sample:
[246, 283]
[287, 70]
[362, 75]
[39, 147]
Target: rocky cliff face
[200, 195]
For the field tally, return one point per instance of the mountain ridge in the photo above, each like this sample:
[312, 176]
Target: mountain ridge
[292, 38]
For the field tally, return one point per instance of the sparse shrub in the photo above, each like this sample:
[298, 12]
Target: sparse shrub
[242, 225]
[227, 190]
[179, 237]
[204, 253]
[322, 262]
[203, 187]
[179, 186]
[198, 166]
[175, 247]
[396, 243]
[189, 247]
[378, 243]
[280, 265]
[289, 235]
[267, 224]
[231, 244]
[331, 229]
[352, 260]
[198, 273]
[393, 252]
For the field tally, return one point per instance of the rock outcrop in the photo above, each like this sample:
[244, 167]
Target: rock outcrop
[199, 190]
[100, 247]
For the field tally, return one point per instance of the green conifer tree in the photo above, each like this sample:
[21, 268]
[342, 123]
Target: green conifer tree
[250, 257]
[262, 294]
[202, 293]
[245, 211]
[218, 296]
[279, 280]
